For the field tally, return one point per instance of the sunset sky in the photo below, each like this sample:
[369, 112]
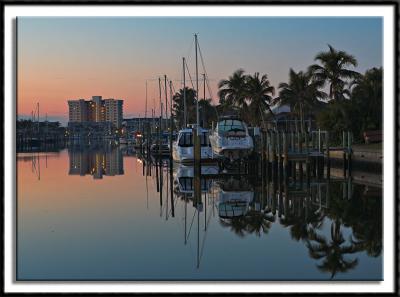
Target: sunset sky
[69, 58]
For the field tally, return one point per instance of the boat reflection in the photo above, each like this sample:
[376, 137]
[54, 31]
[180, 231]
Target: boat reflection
[184, 178]
[233, 197]
[317, 213]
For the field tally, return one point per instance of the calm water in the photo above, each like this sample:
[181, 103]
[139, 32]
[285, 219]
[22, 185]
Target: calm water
[93, 214]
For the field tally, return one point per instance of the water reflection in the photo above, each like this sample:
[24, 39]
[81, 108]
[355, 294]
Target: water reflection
[316, 212]
[96, 161]
[334, 225]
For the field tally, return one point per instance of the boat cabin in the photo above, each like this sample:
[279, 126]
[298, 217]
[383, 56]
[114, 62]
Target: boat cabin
[185, 138]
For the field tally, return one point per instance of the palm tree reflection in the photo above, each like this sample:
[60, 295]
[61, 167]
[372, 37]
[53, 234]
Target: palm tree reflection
[332, 250]
[247, 208]
[259, 222]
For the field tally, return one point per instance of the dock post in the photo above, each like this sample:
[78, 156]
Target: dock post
[273, 198]
[308, 171]
[273, 147]
[150, 140]
[280, 200]
[312, 140]
[319, 140]
[269, 148]
[285, 158]
[328, 160]
[197, 167]
[262, 153]
[292, 163]
[291, 141]
[268, 139]
[344, 153]
[286, 205]
[307, 143]
[279, 147]
[349, 152]
[171, 188]
[301, 161]
[298, 141]
[157, 178]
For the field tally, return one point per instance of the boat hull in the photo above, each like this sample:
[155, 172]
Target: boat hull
[231, 149]
[186, 154]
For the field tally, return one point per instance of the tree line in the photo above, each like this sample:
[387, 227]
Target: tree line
[330, 91]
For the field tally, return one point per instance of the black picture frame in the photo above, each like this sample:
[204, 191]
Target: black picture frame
[396, 90]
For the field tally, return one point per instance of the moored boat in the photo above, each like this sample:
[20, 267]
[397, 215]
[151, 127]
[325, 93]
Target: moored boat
[183, 147]
[230, 138]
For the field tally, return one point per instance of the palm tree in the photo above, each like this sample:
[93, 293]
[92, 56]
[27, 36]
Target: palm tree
[208, 112]
[334, 71]
[301, 93]
[367, 92]
[259, 92]
[233, 90]
[178, 106]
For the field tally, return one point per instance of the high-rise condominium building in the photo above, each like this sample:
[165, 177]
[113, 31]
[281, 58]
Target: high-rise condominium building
[96, 110]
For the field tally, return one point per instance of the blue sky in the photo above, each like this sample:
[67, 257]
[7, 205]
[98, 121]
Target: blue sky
[65, 58]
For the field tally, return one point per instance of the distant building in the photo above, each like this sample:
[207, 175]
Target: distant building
[138, 124]
[78, 111]
[96, 110]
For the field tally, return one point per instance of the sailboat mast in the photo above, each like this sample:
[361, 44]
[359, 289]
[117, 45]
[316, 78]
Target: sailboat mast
[166, 100]
[170, 124]
[204, 92]
[152, 120]
[184, 94]
[38, 117]
[197, 89]
[161, 109]
[145, 109]
[204, 89]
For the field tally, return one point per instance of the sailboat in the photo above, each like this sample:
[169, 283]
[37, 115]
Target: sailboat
[183, 147]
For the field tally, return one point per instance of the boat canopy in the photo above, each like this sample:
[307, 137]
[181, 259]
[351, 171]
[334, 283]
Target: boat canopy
[228, 125]
[185, 138]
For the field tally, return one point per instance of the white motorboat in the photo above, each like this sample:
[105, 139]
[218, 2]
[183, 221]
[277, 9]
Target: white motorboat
[183, 147]
[231, 139]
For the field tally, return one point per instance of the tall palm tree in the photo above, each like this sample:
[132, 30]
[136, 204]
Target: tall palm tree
[259, 93]
[334, 71]
[367, 92]
[232, 91]
[301, 93]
